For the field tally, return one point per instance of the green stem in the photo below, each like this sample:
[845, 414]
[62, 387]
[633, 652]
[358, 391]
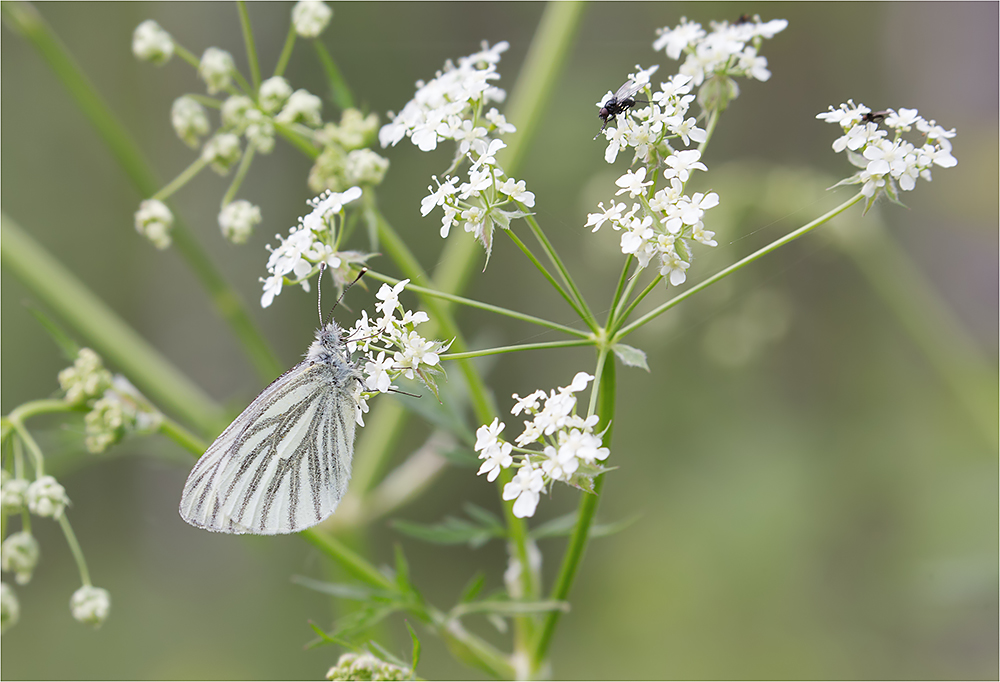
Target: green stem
[541, 268]
[514, 349]
[241, 173]
[74, 546]
[584, 518]
[659, 310]
[241, 6]
[616, 300]
[303, 144]
[188, 56]
[563, 272]
[183, 437]
[184, 178]
[353, 563]
[29, 441]
[27, 20]
[339, 91]
[713, 120]
[109, 334]
[286, 51]
[620, 320]
[506, 312]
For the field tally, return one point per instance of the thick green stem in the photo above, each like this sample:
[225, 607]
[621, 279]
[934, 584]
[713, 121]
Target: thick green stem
[24, 18]
[187, 440]
[584, 518]
[109, 334]
[659, 310]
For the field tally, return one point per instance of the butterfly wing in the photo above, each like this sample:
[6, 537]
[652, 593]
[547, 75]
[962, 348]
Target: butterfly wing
[283, 464]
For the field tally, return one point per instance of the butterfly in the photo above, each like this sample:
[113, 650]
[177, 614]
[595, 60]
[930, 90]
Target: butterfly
[284, 463]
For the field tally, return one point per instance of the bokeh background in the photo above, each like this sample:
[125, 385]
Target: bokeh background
[813, 498]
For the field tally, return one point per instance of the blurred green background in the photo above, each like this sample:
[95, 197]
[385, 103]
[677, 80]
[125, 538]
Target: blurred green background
[815, 500]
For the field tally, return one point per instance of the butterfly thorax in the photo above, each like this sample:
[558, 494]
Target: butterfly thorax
[329, 349]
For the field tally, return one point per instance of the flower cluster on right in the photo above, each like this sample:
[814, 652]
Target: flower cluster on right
[571, 451]
[888, 163]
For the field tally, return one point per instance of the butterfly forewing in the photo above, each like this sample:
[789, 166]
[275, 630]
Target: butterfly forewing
[283, 464]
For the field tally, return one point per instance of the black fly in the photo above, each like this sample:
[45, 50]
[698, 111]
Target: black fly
[620, 102]
[875, 116]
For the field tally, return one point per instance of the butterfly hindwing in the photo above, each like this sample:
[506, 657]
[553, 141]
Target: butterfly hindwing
[283, 464]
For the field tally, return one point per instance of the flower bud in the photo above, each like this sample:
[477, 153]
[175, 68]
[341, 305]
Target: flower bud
[150, 43]
[189, 120]
[222, 151]
[90, 605]
[237, 219]
[274, 92]
[19, 555]
[154, 221]
[216, 69]
[46, 497]
[310, 17]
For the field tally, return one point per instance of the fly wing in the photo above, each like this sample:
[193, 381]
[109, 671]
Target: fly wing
[282, 465]
[628, 90]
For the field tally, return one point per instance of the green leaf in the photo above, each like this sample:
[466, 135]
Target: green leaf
[631, 357]
[324, 638]
[402, 570]
[484, 516]
[416, 650]
[451, 531]
[473, 588]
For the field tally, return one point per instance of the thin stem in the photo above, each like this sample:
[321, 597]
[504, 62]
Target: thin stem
[286, 51]
[241, 173]
[186, 55]
[506, 312]
[555, 285]
[713, 121]
[304, 145]
[619, 320]
[27, 20]
[33, 449]
[659, 310]
[514, 349]
[563, 272]
[74, 546]
[184, 178]
[339, 90]
[584, 519]
[241, 6]
[109, 334]
[353, 563]
[617, 298]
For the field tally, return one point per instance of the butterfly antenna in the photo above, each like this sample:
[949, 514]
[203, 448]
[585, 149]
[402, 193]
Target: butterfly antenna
[319, 292]
[343, 293]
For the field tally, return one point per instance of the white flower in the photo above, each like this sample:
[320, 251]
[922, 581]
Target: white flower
[274, 92]
[12, 494]
[682, 163]
[365, 167]
[154, 221]
[10, 609]
[497, 457]
[216, 69]
[674, 41]
[260, 130]
[221, 152]
[525, 489]
[189, 119]
[673, 268]
[272, 287]
[528, 404]
[613, 213]
[86, 379]
[517, 192]
[46, 497]
[151, 43]
[486, 436]
[301, 106]
[19, 555]
[234, 113]
[416, 351]
[438, 196]
[90, 605]
[633, 183]
[237, 219]
[389, 297]
[310, 17]
[377, 373]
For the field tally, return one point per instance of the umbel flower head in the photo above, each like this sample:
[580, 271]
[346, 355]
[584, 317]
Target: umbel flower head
[566, 448]
[90, 605]
[366, 666]
[888, 165]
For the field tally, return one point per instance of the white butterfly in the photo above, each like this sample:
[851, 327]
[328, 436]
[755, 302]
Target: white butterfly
[284, 463]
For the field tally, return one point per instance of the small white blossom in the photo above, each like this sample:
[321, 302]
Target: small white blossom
[365, 167]
[86, 379]
[377, 373]
[682, 163]
[216, 69]
[19, 555]
[633, 183]
[236, 220]
[154, 221]
[151, 43]
[260, 131]
[302, 106]
[12, 494]
[273, 94]
[222, 151]
[46, 497]
[310, 17]
[190, 120]
[90, 605]
[525, 489]
[234, 113]
[497, 458]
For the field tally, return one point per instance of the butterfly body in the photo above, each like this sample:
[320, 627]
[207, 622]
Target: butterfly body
[284, 463]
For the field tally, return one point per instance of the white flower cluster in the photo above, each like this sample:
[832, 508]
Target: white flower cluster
[365, 666]
[391, 346]
[662, 225]
[19, 555]
[310, 17]
[154, 221]
[570, 448]
[150, 43]
[452, 106]
[345, 160]
[887, 163]
[90, 605]
[313, 241]
[116, 406]
[729, 50]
